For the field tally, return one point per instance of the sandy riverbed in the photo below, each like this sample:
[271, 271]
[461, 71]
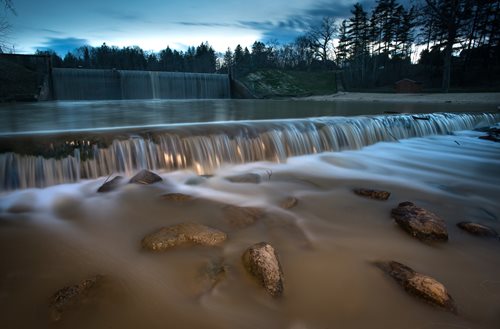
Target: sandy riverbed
[456, 98]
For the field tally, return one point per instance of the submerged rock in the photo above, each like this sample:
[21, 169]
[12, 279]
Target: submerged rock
[373, 194]
[261, 261]
[289, 202]
[245, 178]
[478, 229]
[145, 177]
[183, 234]
[70, 296]
[419, 285]
[241, 217]
[110, 185]
[419, 222]
[178, 197]
[209, 275]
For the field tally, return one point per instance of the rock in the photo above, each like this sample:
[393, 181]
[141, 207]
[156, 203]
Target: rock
[110, 185]
[478, 229]
[209, 275]
[289, 202]
[178, 197]
[419, 285]
[419, 222]
[145, 177]
[261, 261]
[183, 234]
[70, 296]
[241, 217]
[245, 178]
[373, 194]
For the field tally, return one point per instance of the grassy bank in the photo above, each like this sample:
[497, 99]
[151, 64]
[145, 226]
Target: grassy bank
[279, 83]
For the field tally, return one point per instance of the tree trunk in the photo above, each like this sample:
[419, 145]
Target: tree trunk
[447, 67]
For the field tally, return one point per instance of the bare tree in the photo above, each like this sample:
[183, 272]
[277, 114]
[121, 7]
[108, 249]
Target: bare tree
[321, 37]
[4, 24]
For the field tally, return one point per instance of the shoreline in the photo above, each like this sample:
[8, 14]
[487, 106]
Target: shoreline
[435, 98]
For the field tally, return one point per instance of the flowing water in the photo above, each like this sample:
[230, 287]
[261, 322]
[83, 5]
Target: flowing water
[58, 235]
[85, 84]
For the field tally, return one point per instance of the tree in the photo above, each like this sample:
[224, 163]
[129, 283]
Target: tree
[450, 17]
[321, 38]
[227, 61]
[358, 38]
[259, 55]
[342, 47]
[4, 24]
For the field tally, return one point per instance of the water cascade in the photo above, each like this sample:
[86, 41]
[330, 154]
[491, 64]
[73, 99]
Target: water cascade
[84, 84]
[205, 147]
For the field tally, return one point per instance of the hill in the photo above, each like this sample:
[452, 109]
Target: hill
[280, 83]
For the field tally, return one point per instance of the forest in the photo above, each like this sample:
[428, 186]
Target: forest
[442, 43]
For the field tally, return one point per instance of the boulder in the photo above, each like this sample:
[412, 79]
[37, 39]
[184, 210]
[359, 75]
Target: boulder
[261, 261]
[419, 285]
[177, 197]
[71, 296]
[240, 217]
[478, 229]
[373, 194]
[183, 234]
[419, 222]
[110, 185]
[289, 202]
[145, 177]
[245, 178]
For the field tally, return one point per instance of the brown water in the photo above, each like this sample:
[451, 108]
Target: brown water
[74, 116]
[57, 236]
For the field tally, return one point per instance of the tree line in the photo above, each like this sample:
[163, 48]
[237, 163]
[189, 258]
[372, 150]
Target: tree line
[458, 42]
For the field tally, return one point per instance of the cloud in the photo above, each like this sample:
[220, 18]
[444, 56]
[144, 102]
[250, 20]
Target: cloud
[62, 45]
[121, 15]
[206, 24]
[287, 29]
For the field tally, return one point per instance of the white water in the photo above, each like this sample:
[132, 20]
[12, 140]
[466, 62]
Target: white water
[56, 236]
[206, 147]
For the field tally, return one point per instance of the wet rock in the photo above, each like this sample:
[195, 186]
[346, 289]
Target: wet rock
[240, 217]
[177, 197]
[145, 177]
[110, 185]
[72, 296]
[261, 261]
[183, 234]
[373, 194]
[419, 222]
[478, 229]
[419, 285]
[245, 178]
[209, 275]
[289, 202]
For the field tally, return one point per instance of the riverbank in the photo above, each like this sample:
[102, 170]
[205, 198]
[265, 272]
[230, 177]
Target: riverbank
[437, 98]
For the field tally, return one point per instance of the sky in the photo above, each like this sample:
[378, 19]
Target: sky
[63, 25]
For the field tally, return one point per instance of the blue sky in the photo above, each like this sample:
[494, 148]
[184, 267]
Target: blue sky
[63, 25]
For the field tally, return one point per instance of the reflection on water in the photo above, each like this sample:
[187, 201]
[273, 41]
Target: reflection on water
[29, 117]
[53, 237]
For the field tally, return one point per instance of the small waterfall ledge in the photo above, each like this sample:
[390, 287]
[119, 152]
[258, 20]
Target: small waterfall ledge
[206, 147]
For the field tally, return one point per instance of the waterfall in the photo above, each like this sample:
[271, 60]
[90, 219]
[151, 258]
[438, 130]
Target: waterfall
[84, 84]
[205, 147]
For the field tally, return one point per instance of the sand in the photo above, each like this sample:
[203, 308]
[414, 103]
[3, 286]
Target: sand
[455, 98]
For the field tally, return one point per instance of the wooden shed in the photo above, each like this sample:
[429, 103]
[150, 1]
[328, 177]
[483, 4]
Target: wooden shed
[408, 86]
